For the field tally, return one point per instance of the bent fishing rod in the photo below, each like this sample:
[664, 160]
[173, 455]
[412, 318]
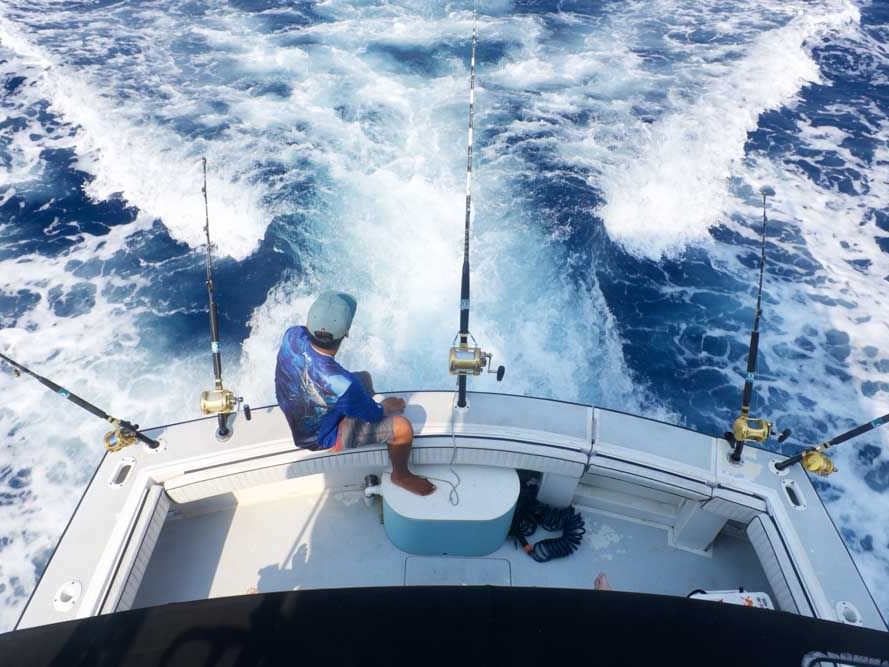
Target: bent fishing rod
[464, 359]
[218, 401]
[124, 434]
[816, 461]
[744, 427]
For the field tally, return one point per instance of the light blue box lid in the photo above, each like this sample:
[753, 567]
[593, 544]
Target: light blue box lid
[485, 493]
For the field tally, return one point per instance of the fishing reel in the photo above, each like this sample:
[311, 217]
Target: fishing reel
[818, 463]
[813, 460]
[466, 359]
[222, 403]
[747, 429]
[219, 402]
[120, 437]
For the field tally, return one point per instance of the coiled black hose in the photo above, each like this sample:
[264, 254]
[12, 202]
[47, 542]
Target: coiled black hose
[559, 547]
[531, 513]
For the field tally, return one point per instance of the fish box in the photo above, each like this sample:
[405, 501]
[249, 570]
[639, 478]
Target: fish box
[472, 520]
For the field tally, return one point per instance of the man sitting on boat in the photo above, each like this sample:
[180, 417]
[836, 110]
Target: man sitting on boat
[329, 407]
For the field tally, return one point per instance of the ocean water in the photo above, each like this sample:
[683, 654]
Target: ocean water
[620, 147]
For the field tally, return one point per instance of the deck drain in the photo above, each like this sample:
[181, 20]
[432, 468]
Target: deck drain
[848, 614]
[67, 595]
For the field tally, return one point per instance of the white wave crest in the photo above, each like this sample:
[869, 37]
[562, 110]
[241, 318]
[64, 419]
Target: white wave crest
[151, 167]
[674, 185]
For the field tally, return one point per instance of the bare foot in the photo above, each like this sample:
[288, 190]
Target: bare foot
[601, 583]
[413, 483]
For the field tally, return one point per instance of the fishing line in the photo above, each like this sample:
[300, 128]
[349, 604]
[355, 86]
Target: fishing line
[454, 495]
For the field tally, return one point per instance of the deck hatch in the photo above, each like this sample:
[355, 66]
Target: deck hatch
[456, 571]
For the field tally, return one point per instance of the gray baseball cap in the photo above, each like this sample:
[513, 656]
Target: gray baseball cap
[331, 314]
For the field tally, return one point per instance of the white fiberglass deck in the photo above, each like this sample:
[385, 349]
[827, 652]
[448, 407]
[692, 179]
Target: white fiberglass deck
[333, 539]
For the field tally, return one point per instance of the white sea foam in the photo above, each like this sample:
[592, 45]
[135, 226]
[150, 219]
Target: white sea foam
[129, 155]
[675, 185]
[396, 246]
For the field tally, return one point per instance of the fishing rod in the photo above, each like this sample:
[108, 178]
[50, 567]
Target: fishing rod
[218, 401]
[465, 359]
[124, 434]
[744, 427]
[814, 459]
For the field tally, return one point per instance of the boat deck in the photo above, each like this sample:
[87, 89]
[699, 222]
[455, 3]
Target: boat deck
[333, 539]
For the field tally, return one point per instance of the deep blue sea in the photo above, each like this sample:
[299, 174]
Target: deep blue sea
[619, 148]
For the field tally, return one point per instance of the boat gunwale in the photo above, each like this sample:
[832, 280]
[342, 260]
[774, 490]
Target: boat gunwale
[487, 393]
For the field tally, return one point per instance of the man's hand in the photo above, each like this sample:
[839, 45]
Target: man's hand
[393, 406]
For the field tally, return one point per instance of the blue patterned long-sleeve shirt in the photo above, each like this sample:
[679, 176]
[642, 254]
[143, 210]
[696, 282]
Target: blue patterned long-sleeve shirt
[315, 392]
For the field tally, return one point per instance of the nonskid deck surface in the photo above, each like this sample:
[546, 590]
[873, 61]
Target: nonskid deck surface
[333, 539]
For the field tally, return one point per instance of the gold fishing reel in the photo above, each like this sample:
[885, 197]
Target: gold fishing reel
[119, 438]
[746, 428]
[218, 402]
[466, 359]
[819, 463]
